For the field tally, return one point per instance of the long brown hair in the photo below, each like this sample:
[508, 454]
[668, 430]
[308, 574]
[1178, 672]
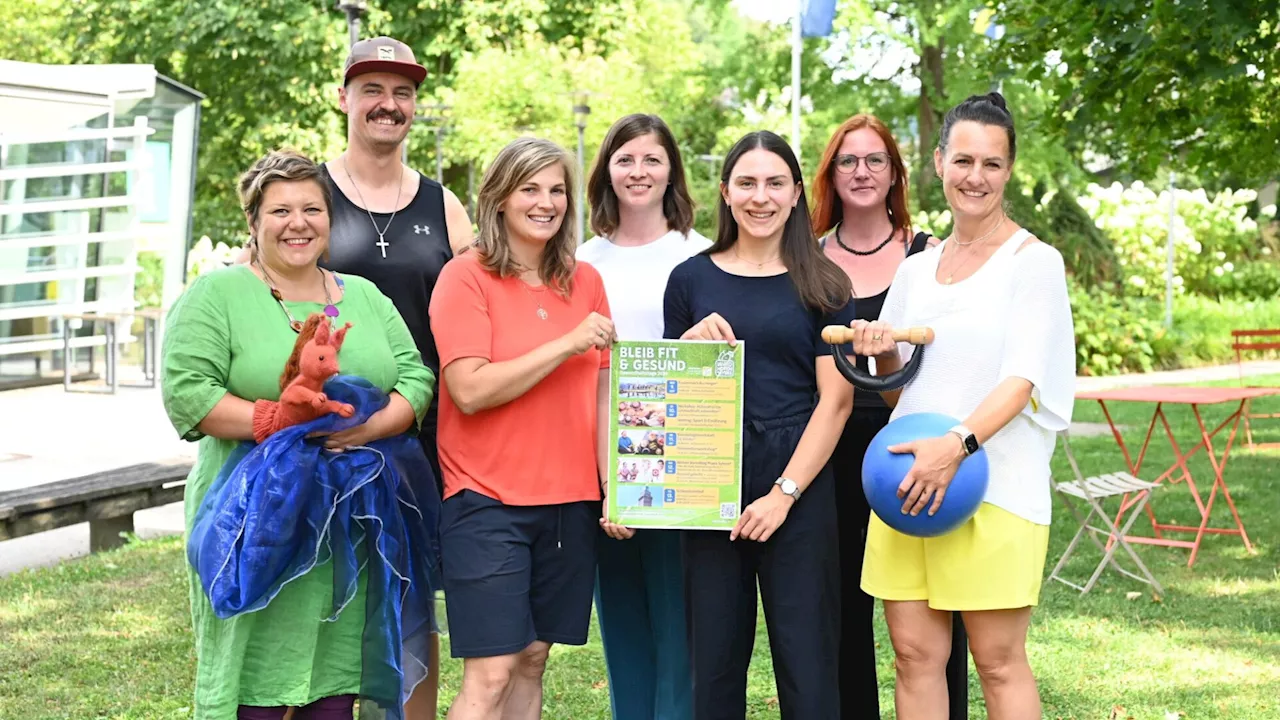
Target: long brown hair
[828, 211]
[520, 160]
[677, 204]
[821, 283]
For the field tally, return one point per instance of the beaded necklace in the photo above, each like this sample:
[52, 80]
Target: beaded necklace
[330, 310]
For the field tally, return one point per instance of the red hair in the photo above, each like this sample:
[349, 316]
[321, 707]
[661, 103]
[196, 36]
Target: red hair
[827, 209]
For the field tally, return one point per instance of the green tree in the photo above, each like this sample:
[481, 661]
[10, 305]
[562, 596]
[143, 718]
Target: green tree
[269, 71]
[1145, 83]
[33, 31]
[271, 68]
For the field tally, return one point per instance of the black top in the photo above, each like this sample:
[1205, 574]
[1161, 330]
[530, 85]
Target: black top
[868, 308]
[417, 248]
[782, 336]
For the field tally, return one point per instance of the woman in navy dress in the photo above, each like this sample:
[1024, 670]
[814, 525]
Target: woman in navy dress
[766, 283]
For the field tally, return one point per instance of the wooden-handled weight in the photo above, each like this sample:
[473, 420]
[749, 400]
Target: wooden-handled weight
[839, 335]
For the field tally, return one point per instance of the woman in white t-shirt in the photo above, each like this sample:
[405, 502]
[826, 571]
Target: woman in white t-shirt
[642, 215]
[1003, 365]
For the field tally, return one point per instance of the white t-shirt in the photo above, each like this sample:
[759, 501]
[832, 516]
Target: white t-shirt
[635, 278]
[1011, 318]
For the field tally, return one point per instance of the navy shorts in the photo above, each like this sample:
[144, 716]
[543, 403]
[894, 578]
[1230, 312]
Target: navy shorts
[514, 574]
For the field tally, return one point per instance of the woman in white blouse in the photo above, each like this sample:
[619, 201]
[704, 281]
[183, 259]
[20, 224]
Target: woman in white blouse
[1003, 365]
[643, 216]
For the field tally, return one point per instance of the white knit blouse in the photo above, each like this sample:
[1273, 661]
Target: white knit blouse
[1011, 318]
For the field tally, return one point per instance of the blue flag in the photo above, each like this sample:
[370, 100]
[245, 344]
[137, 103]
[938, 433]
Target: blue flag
[818, 17]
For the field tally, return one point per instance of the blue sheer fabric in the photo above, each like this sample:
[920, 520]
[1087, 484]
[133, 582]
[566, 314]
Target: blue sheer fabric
[279, 509]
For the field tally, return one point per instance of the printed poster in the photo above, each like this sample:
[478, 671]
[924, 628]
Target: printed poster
[676, 434]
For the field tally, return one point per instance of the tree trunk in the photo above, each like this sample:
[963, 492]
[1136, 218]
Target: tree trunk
[932, 99]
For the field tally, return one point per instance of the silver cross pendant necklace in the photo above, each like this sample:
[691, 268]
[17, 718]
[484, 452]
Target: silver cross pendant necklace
[382, 240]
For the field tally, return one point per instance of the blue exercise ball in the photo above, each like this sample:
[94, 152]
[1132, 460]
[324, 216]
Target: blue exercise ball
[883, 471]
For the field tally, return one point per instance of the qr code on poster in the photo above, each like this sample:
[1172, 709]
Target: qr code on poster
[728, 511]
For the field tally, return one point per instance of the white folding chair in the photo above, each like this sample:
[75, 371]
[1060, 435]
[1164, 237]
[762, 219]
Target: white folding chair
[1093, 490]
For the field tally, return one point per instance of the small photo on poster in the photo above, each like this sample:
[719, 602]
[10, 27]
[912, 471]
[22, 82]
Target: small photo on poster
[638, 496]
[634, 413]
[639, 470]
[642, 388]
[641, 442]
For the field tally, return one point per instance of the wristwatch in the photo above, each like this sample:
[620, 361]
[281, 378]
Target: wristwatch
[967, 439]
[789, 487]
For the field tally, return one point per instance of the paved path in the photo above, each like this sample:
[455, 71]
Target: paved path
[47, 434]
[1178, 377]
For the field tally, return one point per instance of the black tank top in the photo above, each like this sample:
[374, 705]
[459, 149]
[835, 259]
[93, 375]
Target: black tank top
[417, 249]
[868, 308]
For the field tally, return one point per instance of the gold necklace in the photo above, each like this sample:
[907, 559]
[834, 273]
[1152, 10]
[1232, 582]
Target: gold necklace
[972, 253]
[542, 312]
[759, 265]
[980, 239]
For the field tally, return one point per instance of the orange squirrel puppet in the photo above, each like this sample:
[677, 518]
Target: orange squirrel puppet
[313, 361]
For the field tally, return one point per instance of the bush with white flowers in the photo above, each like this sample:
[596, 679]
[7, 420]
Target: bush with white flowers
[205, 257]
[1214, 239]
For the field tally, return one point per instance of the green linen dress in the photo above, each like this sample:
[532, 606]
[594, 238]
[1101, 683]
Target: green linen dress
[227, 334]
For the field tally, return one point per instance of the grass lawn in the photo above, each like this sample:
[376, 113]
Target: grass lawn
[108, 636]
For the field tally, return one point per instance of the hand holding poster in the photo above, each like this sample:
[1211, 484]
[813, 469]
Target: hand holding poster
[675, 458]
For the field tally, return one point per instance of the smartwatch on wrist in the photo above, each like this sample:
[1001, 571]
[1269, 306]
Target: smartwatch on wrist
[968, 440]
[789, 487]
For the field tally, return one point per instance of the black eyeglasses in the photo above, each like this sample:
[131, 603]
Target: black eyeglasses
[877, 162]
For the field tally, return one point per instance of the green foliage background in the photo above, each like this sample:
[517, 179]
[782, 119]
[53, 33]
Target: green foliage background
[1102, 91]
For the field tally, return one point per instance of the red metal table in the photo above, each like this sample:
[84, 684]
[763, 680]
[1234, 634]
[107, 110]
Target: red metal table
[1194, 397]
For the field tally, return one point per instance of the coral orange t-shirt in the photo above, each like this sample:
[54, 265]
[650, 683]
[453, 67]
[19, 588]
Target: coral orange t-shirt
[539, 449]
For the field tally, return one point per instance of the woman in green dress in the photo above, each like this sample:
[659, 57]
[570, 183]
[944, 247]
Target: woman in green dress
[226, 343]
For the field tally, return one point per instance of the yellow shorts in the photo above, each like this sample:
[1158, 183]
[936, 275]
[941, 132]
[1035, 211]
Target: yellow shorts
[995, 561]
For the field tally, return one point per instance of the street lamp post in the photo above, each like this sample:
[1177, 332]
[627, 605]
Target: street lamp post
[580, 112]
[354, 9]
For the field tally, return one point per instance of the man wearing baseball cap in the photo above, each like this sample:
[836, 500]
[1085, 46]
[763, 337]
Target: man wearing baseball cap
[396, 228]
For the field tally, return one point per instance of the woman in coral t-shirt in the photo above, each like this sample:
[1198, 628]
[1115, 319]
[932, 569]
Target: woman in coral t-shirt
[524, 335]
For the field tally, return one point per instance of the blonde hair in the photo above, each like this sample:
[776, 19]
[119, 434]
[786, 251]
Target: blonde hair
[515, 164]
[285, 164]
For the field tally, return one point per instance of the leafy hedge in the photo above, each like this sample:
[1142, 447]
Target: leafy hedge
[1119, 334]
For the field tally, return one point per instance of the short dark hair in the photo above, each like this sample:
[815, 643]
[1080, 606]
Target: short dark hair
[677, 205]
[989, 109]
[287, 165]
[821, 284]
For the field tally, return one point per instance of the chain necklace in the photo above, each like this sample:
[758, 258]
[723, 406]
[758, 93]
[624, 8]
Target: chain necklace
[759, 265]
[542, 312]
[980, 239]
[973, 253]
[382, 241]
[863, 253]
[330, 310]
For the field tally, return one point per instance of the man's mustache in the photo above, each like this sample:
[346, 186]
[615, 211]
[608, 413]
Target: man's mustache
[395, 115]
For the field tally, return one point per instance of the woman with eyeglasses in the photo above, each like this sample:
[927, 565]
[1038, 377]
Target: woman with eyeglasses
[860, 213]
